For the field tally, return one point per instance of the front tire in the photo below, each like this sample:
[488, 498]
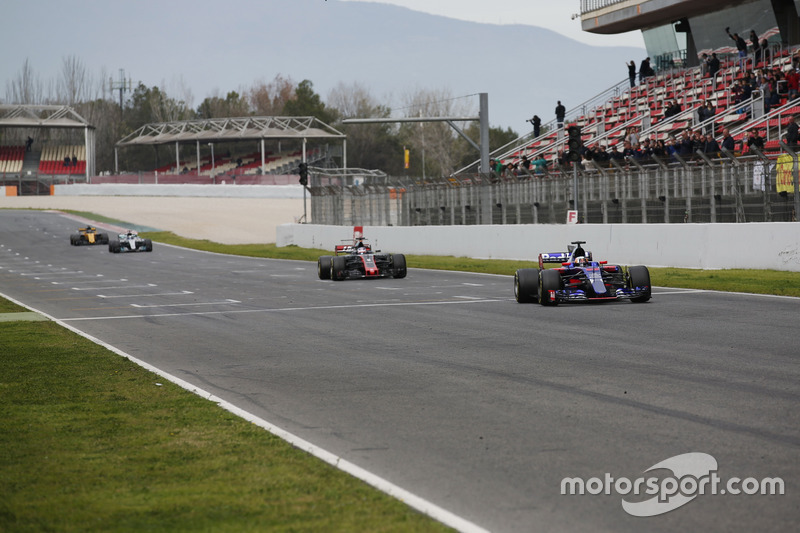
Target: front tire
[324, 267]
[113, 247]
[399, 265]
[526, 285]
[639, 276]
[148, 245]
[549, 280]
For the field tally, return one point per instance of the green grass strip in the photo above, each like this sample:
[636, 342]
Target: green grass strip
[89, 441]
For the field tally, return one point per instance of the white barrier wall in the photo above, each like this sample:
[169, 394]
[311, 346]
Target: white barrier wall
[183, 190]
[773, 246]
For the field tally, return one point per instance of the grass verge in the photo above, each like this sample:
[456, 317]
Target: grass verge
[89, 441]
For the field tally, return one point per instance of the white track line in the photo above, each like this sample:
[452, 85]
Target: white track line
[412, 500]
[284, 309]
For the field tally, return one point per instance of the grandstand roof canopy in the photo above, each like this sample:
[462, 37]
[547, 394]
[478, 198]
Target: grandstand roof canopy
[231, 129]
[41, 116]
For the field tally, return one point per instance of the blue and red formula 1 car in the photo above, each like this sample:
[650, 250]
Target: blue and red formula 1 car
[358, 260]
[580, 279]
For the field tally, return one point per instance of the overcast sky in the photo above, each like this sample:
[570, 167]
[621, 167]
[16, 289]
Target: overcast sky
[552, 14]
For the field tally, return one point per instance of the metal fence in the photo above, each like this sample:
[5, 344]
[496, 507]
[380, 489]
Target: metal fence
[745, 189]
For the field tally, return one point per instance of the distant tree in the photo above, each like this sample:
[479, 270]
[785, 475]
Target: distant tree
[466, 153]
[269, 99]
[233, 105]
[432, 141]
[26, 88]
[370, 146]
[307, 103]
[75, 84]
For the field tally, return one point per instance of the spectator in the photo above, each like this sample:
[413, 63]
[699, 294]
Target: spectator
[741, 46]
[632, 73]
[707, 112]
[756, 47]
[674, 108]
[29, 144]
[792, 84]
[525, 163]
[765, 51]
[659, 150]
[755, 140]
[792, 132]
[685, 147]
[632, 136]
[600, 155]
[728, 142]
[615, 153]
[561, 111]
[713, 65]
[537, 125]
[539, 164]
[66, 160]
[627, 150]
[74, 161]
[710, 146]
[645, 70]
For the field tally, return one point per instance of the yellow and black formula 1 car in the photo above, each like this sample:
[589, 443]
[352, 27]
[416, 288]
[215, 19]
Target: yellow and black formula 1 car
[88, 235]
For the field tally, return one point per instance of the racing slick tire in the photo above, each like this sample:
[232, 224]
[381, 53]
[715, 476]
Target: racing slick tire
[639, 276]
[148, 245]
[549, 280]
[338, 267]
[74, 239]
[102, 238]
[399, 266]
[113, 247]
[324, 267]
[526, 285]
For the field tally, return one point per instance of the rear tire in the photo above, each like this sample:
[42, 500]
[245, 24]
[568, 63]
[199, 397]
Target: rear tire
[148, 245]
[103, 237]
[399, 265]
[639, 276]
[526, 285]
[549, 280]
[338, 267]
[324, 267]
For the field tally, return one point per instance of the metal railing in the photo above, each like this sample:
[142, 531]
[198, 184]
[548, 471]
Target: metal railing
[700, 190]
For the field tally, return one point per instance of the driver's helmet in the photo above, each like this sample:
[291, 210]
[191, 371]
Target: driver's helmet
[361, 249]
[581, 260]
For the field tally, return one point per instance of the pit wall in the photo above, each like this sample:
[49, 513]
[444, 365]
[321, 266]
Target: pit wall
[182, 190]
[774, 246]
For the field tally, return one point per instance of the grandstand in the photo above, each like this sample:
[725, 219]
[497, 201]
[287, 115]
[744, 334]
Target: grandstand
[11, 158]
[674, 30]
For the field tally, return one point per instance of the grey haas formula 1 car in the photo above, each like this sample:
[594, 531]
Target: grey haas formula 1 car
[580, 279]
[130, 242]
[359, 260]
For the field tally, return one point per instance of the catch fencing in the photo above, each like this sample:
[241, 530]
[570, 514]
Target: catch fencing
[735, 189]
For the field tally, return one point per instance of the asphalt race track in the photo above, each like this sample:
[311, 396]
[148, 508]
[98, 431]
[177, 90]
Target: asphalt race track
[443, 385]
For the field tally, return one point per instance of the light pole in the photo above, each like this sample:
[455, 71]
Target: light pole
[212, 158]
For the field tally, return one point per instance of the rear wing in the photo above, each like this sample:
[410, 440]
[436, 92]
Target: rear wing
[349, 248]
[358, 236]
[553, 257]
